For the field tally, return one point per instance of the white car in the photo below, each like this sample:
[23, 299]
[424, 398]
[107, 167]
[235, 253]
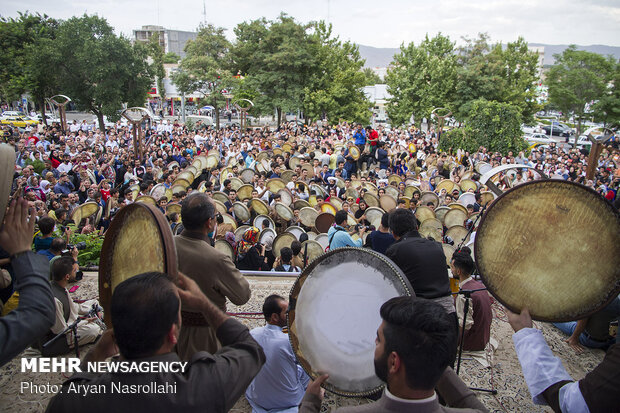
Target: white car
[11, 113]
[539, 138]
[50, 118]
[582, 142]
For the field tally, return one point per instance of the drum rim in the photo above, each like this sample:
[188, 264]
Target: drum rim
[613, 293]
[294, 294]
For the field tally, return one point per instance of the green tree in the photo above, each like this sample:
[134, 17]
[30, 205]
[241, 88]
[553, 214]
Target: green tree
[99, 70]
[578, 78]
[171, 57]
[494, 72]
[276, 58]
[422, 78]
[494, 125]
[607, 109]
[371, 77]
[27, 44]
[155, 51]
[205, 68]
[335, 89]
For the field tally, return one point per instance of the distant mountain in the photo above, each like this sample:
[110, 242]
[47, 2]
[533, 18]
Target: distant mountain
[382, 57]
[551, 49]
[376, 56]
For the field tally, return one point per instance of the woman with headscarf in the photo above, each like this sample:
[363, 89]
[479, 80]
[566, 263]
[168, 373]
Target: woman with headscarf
[33, 186]
[251, 254]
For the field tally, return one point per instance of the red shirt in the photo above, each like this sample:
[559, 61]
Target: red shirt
[373, 137]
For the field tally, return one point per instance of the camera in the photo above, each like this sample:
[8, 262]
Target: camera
[79, 246]
[360, 226]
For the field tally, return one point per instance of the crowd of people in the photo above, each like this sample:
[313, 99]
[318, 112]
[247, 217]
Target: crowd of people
[380, 186]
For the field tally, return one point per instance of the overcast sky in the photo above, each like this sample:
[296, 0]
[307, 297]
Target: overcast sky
[379, 23]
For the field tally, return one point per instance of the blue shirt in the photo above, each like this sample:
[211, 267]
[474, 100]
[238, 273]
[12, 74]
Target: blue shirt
[281, 383]
[341, 238]
[63, 188]
[46, 253]
[360, 137]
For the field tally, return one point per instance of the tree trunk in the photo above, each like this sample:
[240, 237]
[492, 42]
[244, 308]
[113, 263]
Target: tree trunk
[99, 115]
[279, 112]
[578, 132]
[42, 103]
[217, 115]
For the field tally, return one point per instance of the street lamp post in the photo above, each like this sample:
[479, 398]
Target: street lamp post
[136, 116]
[61, 101]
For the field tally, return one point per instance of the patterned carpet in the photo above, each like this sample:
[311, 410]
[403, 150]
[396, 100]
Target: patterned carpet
[505, 374]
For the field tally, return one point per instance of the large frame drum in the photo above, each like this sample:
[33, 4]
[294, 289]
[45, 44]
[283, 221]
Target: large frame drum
[334, 316]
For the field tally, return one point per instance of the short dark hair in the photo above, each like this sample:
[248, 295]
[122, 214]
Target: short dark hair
[46, 225]
[423, 335]
[59, 212]
[286, 254]
[402, 221]
[296, 247]
[196, 209]
[385, 220]
[463, 261]
[139, 329]
[58, 244]
[61, 267]
[341, 216]
[272, 305]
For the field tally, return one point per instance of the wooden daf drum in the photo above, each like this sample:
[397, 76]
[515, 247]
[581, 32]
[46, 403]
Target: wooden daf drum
[334, 315]
[139, 240]
[551, 246]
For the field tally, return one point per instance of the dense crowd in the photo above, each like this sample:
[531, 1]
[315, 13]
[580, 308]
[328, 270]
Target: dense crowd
[243, 191]
[59, 171]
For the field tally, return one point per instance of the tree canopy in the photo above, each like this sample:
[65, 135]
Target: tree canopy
[578, 78]
[494, 125]
[205, 68]
[294, 66]
[436, 74]
[422, 78]
[80, 57]
[27, 45]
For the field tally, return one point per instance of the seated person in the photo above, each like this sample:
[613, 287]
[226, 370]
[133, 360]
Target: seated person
[297, 260]
[381, 239]
[479, 314]
[67, 312]
[57, 246]
[339, 237]
[43, 241]
[414, 347]
[210, 382]
[548, 381]
[281, 383]
[592, 331]
[283, 262]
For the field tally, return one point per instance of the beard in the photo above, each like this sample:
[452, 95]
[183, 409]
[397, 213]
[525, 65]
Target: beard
[381, 367]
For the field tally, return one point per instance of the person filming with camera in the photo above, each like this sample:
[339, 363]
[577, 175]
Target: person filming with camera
[339, 237]
[63, 271]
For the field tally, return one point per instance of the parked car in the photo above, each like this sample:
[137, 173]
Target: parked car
[539, 138]
[50, 119]
[559, 129]
[18, 121]
[582, 142]
[11, 113]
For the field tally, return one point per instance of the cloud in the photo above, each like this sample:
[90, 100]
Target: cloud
[386, 23]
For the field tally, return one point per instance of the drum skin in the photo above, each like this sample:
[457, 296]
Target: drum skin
[551, 246]
[139, 240]
[334, 315]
